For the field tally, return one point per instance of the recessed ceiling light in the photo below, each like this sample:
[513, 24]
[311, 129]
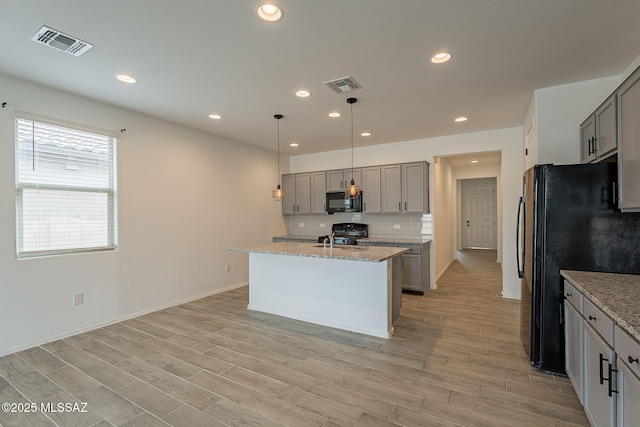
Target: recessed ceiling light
[474, 161]
[125, 78]
[303, 93]
[460, 119]
[441, 57]
[365, 134]
[334, 114]
[294, 144]
[215, 116]
[269, 12]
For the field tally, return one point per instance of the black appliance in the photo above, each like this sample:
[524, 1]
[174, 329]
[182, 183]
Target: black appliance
[337, 202]
[567, 220]
[346, 233]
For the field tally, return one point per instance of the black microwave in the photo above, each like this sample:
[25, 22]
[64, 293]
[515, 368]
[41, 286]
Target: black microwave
[337, 202]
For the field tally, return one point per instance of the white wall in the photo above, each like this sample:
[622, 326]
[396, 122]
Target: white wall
[184, 197]
[444, 216]
[558, 113]
[508, 141]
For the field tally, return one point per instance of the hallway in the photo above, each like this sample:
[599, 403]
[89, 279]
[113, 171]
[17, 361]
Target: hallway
[455, 360]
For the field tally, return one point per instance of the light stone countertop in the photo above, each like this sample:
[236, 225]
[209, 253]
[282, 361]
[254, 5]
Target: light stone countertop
[315, 250]
[364, 240]
[618, 295]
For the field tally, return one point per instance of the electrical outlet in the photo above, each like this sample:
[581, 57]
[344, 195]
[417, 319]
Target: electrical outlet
[396, 226]
[301, 224]
[227, 268]
[323, 225]
[78, 298]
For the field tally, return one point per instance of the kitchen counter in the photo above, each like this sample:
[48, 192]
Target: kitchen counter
[355, 288]
[315, 250]
[364, 240]
[618, 295]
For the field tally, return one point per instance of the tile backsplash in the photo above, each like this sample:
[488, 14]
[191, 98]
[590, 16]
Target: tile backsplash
[406, 225]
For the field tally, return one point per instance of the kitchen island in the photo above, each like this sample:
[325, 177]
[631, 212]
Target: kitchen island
[355, 288]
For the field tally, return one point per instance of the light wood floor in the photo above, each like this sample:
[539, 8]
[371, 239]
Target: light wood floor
[455, 360]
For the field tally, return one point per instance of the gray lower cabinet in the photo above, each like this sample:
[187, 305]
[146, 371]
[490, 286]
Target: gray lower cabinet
[573, 344]
[628, 384]
[599, 406]
[416, 264]
[602, 362]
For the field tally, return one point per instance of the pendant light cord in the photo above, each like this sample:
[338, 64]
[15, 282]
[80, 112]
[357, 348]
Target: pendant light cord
[351, 105]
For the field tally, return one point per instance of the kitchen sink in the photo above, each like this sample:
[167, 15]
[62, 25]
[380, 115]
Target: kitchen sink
[350, 247]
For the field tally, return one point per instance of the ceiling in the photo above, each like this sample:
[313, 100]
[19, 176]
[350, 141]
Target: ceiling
[197, 57]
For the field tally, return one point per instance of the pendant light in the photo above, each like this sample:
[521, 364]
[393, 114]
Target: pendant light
[353, 191]
[278, 193]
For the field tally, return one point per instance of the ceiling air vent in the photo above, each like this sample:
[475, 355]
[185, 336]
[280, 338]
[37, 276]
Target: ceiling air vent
[342, 85]
[61, 41]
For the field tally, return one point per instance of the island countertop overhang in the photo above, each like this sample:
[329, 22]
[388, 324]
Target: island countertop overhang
[315, 250]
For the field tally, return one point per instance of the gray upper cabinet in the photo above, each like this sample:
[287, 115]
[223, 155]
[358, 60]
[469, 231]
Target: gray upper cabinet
[371, 201]
[391, 191]
[318, 192]
[289, 199]
[297, 194]
[598, 134]
[334, 180]
[629, 144]
[405, 188]
[339, 179]
[414, 187]
[606, 141]
[587, 136]
[303, 193]
[398, 189]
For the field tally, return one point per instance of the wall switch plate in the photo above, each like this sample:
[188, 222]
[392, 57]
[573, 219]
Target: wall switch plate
[78, 298]
[227, 268]
[396, 226]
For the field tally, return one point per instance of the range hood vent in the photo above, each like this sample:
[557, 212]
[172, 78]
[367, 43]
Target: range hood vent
[58, 40]
[342, 85]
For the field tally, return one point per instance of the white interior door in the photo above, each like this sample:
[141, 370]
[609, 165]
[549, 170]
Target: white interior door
[479, 221]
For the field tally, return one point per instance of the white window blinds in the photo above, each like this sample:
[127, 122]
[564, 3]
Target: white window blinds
[65, 189]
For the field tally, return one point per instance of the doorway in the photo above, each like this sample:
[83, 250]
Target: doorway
[479, 213]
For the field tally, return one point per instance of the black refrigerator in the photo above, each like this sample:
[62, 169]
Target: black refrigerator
[567, 220]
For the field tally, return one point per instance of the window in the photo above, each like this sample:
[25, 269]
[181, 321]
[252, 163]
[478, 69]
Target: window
[65, 189]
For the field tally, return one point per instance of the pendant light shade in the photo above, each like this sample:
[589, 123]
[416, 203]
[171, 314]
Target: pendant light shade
[353, 191]
[278, 193]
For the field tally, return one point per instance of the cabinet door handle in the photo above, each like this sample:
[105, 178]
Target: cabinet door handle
[590, 145]
[631, 360]
[400, 206]
[592, 318]
[595, 146]
[611, 371]
[405, 206]
[569, 294]
[602, 359]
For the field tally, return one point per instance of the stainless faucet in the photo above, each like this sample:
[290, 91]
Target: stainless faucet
[328, 239]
